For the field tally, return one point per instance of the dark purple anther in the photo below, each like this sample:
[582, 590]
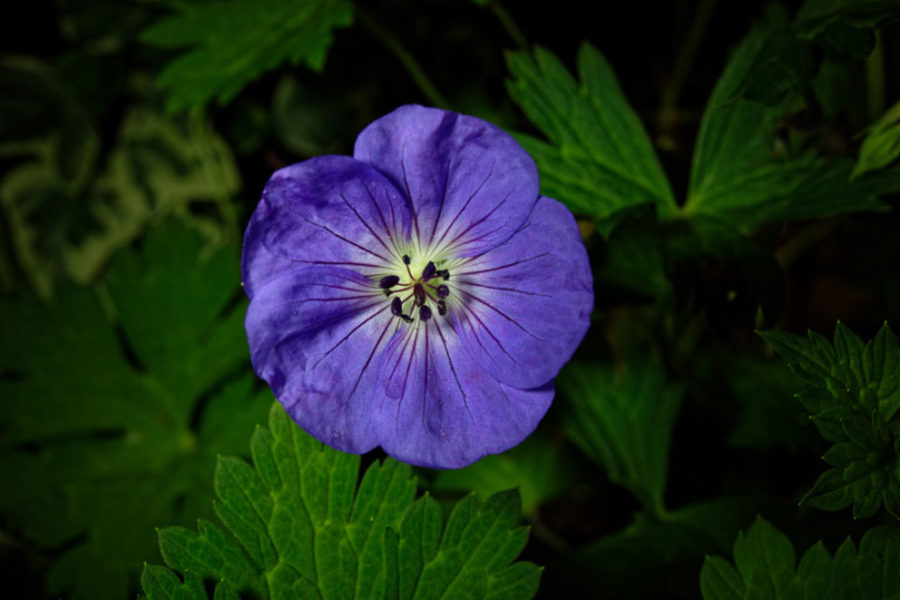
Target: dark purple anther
[442, 307]
[406, 260]
[424, 313]
[429, 271]
[444, 273]
[419, 293]
[388, 282]
[397, 307]
[443, 291]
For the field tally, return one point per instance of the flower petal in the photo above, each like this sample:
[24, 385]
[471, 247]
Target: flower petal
[522, 308]
[316, 335]
[436, 408]
[329, 210]
[470, 184]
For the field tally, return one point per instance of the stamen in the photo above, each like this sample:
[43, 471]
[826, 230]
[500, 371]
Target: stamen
[444, 273]
[442, 307]
[419, 293]
[388, 282]
[429, 271]
[424, 313]
[443, 291]
[397, 307]
[406, 259]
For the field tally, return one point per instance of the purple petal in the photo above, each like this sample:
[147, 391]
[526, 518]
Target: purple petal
[330, 210]
[470, 184]
[436, 408]
[522, 308]
[316, 336]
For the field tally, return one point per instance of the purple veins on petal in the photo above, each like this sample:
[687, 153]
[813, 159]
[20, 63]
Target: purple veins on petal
[341, 264]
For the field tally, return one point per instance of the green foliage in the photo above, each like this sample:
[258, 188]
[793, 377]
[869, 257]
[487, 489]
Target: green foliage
[599, 160]
[744, 174]
[769, 417]
[68, 212]
[853, 395]
[115, 402]
[229, 43]
[783, 64]
[766, 568]
[623, 420]
[882, 144]
[299, 526]
[844, 27]
[541, 468]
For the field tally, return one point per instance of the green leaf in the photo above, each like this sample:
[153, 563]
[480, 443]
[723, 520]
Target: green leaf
[299, 526]
[784, 64]
[882, 144]
[623, 420]
[766, 568]
[853, 395]
[116, 401]
[745, 175]
[597, 158]
[229, 43]
[541, 468]
[844, 27]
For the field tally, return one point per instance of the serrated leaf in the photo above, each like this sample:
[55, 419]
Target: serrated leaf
[882, 144]
[853, 395]
[229, 43]
[299, 526]
[598, 159]
[744, 174]
[765, 563]
[116, 401]
[623, 420]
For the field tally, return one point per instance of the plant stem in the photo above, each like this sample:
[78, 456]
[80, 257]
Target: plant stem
[875, 85]
[509, 25]
[668, 110]
[425, 85]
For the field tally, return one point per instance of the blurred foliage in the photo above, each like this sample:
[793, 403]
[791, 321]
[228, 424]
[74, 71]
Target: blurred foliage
[766, 567]
[882, 144]
[303, 527]
[69, 210]
[118, 399]
[232, 42]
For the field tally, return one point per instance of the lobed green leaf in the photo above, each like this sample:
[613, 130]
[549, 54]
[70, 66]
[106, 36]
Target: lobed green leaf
[123, 396]
[598, 159]
[765, 567]
[297, 525]
[624, 422]
[229, 43]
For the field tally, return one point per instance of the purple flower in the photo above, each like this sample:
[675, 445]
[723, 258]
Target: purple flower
[420, 296]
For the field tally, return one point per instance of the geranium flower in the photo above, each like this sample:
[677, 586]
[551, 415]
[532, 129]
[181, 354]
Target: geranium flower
[420, 296]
